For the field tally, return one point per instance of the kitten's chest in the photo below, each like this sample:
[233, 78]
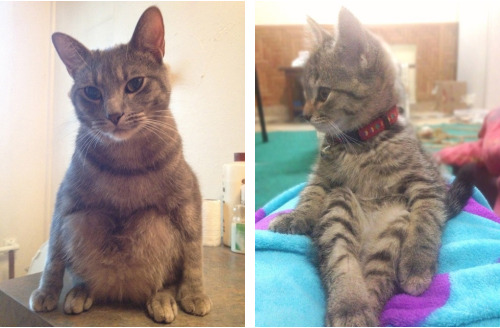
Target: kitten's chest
[360, 172]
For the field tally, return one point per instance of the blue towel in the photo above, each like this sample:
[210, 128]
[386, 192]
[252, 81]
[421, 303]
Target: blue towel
[464, 292]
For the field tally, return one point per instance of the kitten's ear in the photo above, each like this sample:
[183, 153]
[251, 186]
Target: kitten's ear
[149, 34]
[352, 37]
[73, 54]
[319, 33]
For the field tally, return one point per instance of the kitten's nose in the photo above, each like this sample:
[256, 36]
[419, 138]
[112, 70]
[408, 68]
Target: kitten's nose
[308, 110]
[114, 117]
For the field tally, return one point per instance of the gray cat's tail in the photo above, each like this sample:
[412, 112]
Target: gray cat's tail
[460, 191]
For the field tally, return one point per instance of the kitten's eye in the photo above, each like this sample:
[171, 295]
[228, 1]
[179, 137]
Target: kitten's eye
[134, 84]
[323, 94]
[92, 93]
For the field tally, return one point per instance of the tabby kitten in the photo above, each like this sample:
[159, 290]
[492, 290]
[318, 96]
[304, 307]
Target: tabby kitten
[375, 204]
[127, 222]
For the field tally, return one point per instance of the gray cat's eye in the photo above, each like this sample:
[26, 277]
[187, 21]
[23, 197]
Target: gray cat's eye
[134, 84]
[92, 93]
[323, 93]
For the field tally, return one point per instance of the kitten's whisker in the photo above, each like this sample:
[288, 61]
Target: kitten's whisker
[347, 140]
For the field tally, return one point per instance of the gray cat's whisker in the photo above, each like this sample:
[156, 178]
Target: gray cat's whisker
[158, 132]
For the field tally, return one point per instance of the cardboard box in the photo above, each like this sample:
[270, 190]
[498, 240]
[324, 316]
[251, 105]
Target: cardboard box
[450, 95]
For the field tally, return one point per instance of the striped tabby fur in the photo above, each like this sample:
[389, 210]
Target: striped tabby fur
[376, 209]
[127, 222]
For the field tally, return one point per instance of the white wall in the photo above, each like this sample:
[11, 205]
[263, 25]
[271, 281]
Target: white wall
[205, 50]
[479, 51]
[25, 106]
[368, 11]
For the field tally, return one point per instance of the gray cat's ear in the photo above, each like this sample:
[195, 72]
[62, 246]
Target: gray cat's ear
[149, 34]
[72, 53]
[352, 37]
[319, 33]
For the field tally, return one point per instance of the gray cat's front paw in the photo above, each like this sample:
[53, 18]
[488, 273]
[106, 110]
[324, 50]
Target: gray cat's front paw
[43, 300]
[197, 304]
[162, 307]
[291, 223]
[78, 300]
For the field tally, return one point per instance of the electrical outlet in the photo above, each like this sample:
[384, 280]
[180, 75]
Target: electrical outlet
[9, 241]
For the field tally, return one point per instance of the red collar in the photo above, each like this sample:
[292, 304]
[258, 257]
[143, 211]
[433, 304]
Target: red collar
[370, 130]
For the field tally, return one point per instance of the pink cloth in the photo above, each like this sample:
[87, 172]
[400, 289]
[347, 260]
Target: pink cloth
[485, 151]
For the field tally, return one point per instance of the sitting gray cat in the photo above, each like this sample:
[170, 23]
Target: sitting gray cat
[375, 204]
[127, 221]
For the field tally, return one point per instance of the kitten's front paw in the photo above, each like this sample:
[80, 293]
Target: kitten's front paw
[290, 223]
[197, 304]
[162, 308]
[78, 300]
[43, 300]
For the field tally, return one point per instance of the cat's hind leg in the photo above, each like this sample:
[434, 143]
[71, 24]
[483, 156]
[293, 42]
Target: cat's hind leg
[337, 237]
[419, 254]
[381, 252]
[162, 306]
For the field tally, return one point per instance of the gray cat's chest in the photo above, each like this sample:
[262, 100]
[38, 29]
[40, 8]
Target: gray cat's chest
[96, 187]
[129, 191]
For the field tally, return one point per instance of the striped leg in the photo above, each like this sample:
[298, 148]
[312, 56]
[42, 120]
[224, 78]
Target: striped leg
[419, 253]
[381, 255]
[337, 238]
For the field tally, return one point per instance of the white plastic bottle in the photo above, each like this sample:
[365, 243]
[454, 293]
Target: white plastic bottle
[238, 229]
[233, 174]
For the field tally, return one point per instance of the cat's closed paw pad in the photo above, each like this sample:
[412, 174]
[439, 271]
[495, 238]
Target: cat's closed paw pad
[352, 318]
[351, 308]
[199, 304]
[78, 300]
[415, 273]
[42, 300]
[162, 308]
[290, 224]
[416, 285]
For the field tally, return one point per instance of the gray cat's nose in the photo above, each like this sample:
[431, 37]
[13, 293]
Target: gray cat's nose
[114, 117]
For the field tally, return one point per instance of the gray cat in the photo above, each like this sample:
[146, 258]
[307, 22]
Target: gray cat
[127, 221]
[375, 204]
